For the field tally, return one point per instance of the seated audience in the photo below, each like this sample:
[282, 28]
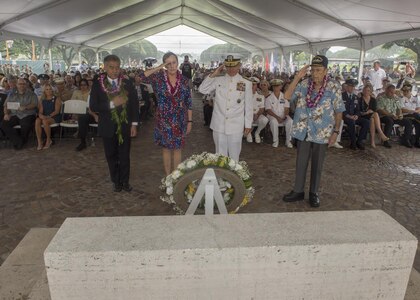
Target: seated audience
[410, 107]
[277, 109]
[352, 116]
[86, 119]
[49, 112]
[368, 107]
[389, 109]
[258, 106]
[21, 111]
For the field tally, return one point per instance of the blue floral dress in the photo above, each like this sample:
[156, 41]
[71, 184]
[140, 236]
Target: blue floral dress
[173, 103]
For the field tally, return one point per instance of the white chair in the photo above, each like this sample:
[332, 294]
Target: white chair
[73, 107]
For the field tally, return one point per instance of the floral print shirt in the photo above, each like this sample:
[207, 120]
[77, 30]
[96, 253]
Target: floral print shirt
[316, 124]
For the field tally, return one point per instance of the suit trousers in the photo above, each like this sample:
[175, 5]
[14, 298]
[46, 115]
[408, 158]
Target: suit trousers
[84, 121]
[228, 144]
[26, 124]
[118, 158]
[305, 151]
[351, 129]
[389, 124]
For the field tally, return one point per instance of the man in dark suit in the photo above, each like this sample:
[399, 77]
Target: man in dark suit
[115, 99]
[352, 116]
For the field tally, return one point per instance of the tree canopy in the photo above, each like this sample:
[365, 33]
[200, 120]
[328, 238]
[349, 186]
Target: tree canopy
[219, 52]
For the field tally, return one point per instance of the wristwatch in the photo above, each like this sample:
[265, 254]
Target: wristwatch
[337, 131]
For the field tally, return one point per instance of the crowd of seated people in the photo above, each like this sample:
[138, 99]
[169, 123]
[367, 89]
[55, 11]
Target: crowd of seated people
[372, 107]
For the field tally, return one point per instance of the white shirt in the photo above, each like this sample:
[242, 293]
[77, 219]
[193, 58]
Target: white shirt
[277, 105]
[410, 103]
[232, 108]
[376, 78]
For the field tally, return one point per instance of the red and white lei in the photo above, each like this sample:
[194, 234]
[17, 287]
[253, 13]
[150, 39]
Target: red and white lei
[177, 84]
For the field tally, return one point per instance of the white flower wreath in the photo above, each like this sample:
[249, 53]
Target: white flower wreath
[208, 160]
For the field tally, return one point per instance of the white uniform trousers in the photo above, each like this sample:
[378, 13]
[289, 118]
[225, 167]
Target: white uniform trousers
[261, 122]
[274, 126]
[228, 144]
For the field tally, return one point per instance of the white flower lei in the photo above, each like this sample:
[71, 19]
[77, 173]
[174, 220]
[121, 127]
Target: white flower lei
[208, 160]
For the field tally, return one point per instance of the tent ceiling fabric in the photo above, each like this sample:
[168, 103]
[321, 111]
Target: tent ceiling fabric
[254, 25]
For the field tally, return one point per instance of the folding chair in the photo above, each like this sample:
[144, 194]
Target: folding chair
[74, 107]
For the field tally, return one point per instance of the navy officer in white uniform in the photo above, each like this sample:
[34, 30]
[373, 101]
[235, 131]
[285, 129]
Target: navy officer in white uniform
[232, 108]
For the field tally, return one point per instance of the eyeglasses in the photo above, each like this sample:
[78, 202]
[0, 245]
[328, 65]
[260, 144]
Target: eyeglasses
[83, 84]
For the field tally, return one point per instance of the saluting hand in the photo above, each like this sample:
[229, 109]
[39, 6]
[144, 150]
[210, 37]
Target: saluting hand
[217, 71]
[302, 72]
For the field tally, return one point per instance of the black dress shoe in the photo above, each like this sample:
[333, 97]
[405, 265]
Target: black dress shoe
[127, 187]
[117, 187]
[407, 143]
[293, 196]
[360, 145]
[81, 147]
[387, 144]
[353, 147]
[314, 199]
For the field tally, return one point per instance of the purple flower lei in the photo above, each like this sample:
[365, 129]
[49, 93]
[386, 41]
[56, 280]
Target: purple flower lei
[107, 88]
[312, 103]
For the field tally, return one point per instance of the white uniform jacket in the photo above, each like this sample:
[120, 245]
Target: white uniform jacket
[277, 105]
[232, 109]
[258, 102]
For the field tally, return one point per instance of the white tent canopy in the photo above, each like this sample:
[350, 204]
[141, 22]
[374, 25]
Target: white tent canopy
[258, 26]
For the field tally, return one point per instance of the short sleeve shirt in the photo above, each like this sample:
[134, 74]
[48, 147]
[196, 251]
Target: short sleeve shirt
[277, 105]
[390, 104]
[316, 124]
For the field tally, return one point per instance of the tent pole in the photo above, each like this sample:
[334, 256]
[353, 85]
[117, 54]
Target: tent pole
[50, 57]
[80, 56]
[292, 70]
[361, 59]
[97, 58]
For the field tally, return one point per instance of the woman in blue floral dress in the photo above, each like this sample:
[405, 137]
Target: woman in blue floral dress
[173, 111]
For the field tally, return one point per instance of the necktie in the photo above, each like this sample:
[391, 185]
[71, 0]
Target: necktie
[114, 85]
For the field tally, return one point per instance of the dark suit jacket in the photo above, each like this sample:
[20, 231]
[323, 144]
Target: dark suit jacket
[352, 104]
[99, 103]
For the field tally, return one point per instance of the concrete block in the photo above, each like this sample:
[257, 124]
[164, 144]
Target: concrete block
[24, 266]
[311, 255]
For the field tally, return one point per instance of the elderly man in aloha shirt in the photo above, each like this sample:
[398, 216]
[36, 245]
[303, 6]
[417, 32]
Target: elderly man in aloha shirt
[316, 124]
[389, 109]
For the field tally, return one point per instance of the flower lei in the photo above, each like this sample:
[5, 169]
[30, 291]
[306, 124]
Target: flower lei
[311, 103]
[207, 160]
[112, 92]
[177, 84]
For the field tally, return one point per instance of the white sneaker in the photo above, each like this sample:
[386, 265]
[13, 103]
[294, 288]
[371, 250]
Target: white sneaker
[276, 144]
[249, 138]
[337, 145]
[257, 138]
[289, 145]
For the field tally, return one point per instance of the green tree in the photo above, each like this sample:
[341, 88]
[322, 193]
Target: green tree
[219, 52]
[137, 50]
[89, 56]
[412, 43]
[67, 53]
[23, 49]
